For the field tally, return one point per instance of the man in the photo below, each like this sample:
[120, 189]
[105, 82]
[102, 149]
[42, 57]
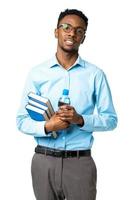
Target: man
[63, 168]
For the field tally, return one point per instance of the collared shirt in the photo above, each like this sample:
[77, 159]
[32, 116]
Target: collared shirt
[90, 96]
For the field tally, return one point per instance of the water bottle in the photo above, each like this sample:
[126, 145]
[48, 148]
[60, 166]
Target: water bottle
[64, 99]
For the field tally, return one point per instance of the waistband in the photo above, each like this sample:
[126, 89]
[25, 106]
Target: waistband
[62, 153]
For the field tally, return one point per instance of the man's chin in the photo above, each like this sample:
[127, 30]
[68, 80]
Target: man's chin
[69, 50]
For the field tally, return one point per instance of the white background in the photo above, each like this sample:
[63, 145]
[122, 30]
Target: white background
[27, 39]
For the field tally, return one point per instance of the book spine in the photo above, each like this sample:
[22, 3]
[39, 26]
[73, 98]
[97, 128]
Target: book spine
[48, 113]
[36, 104]
[50, 107]
[48, 104]
[46, 117]
[41, 106]
[37, 113]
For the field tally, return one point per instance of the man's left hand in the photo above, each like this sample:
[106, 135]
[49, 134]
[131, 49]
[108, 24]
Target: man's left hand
[68, 113]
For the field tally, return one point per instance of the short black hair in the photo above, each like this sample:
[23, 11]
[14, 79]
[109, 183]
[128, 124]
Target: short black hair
[72, 12]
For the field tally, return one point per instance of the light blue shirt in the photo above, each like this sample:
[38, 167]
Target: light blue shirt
[90, 96]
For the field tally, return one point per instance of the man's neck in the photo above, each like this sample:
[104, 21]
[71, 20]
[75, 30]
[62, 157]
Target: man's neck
[65, 59]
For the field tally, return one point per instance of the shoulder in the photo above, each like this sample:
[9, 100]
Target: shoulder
[40, 71]
[41, 68]
[92, 68]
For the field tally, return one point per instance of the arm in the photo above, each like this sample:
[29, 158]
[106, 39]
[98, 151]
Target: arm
[29, 126]
[24, 123]
[105, 118]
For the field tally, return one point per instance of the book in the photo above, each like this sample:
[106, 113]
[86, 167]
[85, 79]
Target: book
[41, 100]
[38, 105]
[37, 113]
[40, 109]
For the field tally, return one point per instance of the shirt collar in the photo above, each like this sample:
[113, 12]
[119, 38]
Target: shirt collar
[79, 62]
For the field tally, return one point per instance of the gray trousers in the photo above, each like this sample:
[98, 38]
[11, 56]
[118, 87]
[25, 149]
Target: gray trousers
[56, 178]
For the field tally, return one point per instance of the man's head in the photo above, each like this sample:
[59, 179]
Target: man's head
[71, 28]
[72, 12]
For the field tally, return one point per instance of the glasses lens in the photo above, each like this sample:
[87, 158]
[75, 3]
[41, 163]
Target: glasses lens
[80, 31]
[66, 27]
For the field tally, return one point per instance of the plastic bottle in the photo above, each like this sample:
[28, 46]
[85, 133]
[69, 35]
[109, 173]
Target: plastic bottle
[64, 99]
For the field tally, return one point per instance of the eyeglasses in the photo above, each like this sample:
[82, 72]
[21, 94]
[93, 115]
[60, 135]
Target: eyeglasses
[68, 28]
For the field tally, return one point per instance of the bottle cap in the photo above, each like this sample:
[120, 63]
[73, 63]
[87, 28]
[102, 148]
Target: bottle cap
[65, 92]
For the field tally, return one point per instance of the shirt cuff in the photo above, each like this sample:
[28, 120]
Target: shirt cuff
[88, 123]
[40, 129]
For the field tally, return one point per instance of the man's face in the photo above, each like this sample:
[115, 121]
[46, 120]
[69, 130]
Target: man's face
[69, 41]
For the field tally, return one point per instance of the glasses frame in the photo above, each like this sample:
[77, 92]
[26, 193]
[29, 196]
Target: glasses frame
[71, 28]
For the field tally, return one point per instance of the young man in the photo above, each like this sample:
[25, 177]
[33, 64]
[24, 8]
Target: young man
[63, 168]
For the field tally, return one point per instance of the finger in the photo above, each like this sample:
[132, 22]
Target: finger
[68, 107]
[67, 115]
[66, 119]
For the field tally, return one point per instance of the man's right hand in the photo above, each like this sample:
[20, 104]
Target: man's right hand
[55, 124]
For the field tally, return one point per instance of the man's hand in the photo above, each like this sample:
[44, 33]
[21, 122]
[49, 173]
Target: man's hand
[68, 113]
[55, 123]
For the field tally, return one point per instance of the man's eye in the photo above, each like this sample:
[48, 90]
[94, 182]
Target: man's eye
[80, 31]
[66, 27]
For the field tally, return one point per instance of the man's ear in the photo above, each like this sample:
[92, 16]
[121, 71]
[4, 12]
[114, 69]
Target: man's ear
[83, 39]
[56, 33]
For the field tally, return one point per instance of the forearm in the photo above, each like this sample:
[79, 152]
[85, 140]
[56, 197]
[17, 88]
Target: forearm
[80, 120]
[99, 122]
[31, 127]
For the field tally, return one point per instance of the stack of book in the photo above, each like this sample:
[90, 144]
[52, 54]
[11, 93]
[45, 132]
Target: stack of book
[40, 108]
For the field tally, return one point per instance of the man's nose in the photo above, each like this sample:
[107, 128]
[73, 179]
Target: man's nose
[72, 32]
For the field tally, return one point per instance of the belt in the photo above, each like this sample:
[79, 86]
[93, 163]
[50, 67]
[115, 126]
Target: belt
[61, 153]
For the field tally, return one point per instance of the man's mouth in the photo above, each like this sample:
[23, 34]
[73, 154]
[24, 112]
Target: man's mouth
[69, 42]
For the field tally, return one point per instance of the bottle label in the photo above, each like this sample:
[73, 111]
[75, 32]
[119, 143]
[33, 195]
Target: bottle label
[61, 103]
